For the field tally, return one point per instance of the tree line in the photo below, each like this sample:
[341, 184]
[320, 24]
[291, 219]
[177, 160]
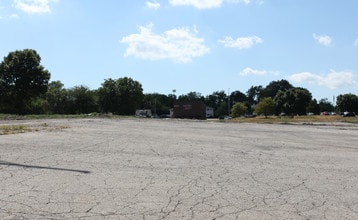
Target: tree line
[25, 88]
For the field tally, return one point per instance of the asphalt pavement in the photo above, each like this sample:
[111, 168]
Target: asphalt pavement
[178, 169]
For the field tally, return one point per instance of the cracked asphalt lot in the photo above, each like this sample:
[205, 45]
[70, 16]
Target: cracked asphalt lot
[179, 169]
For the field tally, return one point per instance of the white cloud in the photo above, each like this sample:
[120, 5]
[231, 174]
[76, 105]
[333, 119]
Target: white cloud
[332, 80]
[249, 71]
[201, 4]
[246, 2]
[153, 5]
[207, 4]
[325, 40]
[33, 6]
[179, 44]
[241, 42]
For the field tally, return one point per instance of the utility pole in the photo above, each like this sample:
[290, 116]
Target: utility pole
[334, 100]
[174, 91]
[228, 102]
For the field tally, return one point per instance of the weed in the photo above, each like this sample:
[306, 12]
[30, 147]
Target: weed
[13, 129]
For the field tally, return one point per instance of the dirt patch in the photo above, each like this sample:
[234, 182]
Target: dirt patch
[16, 127]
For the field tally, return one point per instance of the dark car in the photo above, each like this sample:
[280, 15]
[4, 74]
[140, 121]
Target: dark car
[349, 114]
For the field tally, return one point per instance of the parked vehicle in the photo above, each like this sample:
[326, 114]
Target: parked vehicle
[349, 114]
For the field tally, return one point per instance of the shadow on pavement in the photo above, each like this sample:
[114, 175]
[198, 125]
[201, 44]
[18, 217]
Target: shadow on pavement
[5, 163]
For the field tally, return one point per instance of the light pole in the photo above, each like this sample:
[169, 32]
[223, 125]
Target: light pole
[228, 102]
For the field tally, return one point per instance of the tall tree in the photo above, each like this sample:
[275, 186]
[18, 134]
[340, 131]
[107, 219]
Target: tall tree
[293, 101]
[191, 96]
[56, 98]
[325, 105]
[222, 109]
[22, 78]
[274, 87]
[122, 96]
[81, 100]
[254, 94]
[347, 102]
[237, 96]
[218, 101]
[313, 107]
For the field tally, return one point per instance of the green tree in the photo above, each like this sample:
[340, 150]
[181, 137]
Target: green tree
[56, 98]
[313, 107]
[237, 96]
[293, 101]
[159, 104]
[109, 96]
[22, 79]
[81, 100]
[254, 94]
[303, 98]
[122, 96]
[325, 106]
[191, 96]
[266, 106]
[274, 87]
[171, 99]
[218, 101]
[347, 102]
[238, 109]
[37, 106]
[222, 110]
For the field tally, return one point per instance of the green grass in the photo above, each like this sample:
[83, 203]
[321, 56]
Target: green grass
[58, 116]
[29, 117]
[298, 119]
[13, 129]
[259, 119]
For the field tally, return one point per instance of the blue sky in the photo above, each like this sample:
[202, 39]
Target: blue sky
[190, 45]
